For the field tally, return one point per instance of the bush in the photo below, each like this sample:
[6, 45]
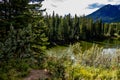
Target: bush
[74, 64]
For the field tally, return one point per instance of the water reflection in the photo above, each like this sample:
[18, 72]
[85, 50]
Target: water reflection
[109, 50]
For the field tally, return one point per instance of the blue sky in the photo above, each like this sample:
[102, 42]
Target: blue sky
[79, 7]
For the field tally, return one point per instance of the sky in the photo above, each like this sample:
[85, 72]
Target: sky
[79, 7]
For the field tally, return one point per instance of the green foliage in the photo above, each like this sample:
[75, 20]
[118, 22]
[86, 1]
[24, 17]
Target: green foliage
[75, 64]
[70, 29]
[14, 69]
[23, 38]
[12, 12]
[39, 40]
[91, 73]
[13, 54]
[56, 68]
[25, 35]
[17, 44]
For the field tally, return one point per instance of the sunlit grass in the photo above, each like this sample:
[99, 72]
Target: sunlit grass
[89, 64]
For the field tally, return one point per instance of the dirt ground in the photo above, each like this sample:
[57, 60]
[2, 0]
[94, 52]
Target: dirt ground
[37, 75]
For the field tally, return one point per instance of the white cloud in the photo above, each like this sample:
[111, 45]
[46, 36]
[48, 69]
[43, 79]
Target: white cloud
[78, 7]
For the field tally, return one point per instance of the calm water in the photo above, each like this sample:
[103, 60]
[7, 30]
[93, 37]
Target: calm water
[109, 51]
[111, 46]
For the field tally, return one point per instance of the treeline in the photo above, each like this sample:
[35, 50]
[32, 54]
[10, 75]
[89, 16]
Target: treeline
[69, 29]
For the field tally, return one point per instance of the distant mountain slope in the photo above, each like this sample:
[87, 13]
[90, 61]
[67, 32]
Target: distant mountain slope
[36, 0]
[108, 13]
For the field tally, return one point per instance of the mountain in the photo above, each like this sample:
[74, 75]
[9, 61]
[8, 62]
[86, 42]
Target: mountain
[108, 13]
[35, 0]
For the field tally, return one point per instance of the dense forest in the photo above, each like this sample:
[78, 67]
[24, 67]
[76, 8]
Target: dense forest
[25, 35]
[70, 29]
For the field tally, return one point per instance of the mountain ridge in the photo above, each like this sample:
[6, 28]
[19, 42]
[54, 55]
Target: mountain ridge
[108, 13]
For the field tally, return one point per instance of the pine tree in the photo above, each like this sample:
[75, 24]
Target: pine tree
[23, 38]
[17, 44]
[13, 12]
[39, 31]
[60, 30]
[76, 27]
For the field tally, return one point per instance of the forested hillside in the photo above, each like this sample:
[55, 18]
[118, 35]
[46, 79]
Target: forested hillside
[26, 37]
[108, 13]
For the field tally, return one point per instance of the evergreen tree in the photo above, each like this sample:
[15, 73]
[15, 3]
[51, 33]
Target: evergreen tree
[39, 30]
[13, 12]
[17, 44]
[60, 29]
[22, 38]
[76, 28]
